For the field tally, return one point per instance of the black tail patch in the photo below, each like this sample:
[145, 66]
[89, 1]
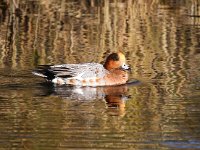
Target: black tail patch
[45, 72]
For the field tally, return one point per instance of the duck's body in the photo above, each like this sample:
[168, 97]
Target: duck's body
[113, 72]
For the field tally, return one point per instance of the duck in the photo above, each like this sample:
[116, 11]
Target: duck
[115, 71]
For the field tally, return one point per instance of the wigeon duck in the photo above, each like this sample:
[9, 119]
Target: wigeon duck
[113, 72]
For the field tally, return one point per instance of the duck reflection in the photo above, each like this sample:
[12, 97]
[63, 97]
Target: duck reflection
[114, 96]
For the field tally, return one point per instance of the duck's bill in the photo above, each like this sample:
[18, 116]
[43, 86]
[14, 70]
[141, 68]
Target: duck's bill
[126, 67]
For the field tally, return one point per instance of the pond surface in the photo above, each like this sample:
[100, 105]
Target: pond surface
[160, 110]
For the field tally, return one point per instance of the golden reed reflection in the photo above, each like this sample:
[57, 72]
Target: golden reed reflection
[56, 31]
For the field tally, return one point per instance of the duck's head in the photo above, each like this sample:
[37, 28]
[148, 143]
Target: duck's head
[116, 61]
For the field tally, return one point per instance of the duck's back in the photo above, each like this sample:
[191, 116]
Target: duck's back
[85, 74]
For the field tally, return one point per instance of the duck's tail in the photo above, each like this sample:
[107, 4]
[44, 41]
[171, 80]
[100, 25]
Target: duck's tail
[44, 71]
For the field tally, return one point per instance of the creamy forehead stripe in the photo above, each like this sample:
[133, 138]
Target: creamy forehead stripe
[121, 57]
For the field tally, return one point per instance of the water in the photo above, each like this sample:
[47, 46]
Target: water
[160, 110]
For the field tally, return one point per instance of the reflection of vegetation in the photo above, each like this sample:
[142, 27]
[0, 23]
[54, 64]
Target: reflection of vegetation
[75, 31]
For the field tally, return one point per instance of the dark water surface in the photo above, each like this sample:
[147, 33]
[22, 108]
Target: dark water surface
[161, 40]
